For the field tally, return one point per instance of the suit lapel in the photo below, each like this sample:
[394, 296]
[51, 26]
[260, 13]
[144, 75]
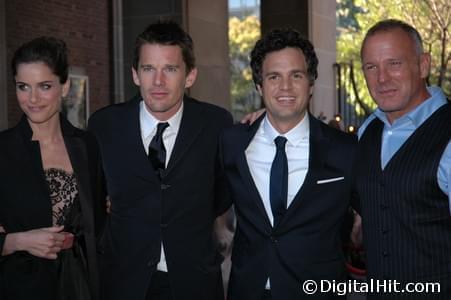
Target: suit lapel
[130, 136]
[243, 168]
[318, 151]
[79, 159]
[78, 156]
[31, 156]
[190, 127]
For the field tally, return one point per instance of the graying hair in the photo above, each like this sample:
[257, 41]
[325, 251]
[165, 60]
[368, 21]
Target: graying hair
[390, 24]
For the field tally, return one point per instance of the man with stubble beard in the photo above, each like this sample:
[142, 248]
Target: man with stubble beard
[160, 158]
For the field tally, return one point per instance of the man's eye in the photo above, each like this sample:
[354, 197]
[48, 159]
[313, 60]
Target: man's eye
[147, 69]
[370, 67]
[273, 77]
[171, 69]
[395, 63]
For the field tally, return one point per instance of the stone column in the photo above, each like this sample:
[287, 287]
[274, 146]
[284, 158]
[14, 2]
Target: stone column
[287, 13]
[3, 70]
[207, 23]
[322, 32]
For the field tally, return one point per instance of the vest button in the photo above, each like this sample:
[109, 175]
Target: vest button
[273, 239]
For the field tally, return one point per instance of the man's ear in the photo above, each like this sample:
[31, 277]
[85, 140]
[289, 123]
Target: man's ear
[191, 78]
[135, 77]
[259, 89]
[425, 65]
[311, 88]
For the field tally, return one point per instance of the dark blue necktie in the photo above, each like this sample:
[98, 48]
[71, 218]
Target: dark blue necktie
[278, 181]
[157, 152]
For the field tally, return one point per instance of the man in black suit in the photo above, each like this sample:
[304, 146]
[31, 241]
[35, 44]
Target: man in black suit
[163, 177]
[290, 180]
[403, 172]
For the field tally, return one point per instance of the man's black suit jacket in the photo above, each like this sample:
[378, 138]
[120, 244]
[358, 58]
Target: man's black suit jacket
[25, 204]
[306, 244]
[179, 209]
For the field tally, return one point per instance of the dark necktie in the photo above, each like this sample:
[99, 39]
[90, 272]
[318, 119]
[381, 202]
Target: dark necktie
[278, 181]
[157, 152]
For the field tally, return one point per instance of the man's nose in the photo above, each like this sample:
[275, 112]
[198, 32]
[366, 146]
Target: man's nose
[159, 79]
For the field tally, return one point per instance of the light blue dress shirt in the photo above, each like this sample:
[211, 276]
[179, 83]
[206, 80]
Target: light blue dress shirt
[394, 135]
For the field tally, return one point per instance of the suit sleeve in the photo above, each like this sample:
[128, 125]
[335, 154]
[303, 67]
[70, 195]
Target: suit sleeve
[100, 209]
[222, 195]
[98, 186]
[2, 242]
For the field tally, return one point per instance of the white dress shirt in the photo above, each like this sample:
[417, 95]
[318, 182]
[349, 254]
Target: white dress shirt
[148, 124]
[260, 155]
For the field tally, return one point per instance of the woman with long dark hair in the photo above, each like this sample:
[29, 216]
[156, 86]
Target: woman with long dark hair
[52, 203]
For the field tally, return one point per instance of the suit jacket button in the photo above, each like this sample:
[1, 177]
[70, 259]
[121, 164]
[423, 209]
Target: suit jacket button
[273, 239]
[151, 263]
[165, 186]
[384, 206]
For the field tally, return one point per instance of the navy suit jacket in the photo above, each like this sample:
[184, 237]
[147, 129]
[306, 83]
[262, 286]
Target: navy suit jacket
[179, 209]
[306, 243]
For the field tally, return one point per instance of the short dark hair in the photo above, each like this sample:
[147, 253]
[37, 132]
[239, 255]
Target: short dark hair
[279, 39]
[391, 24]
[166, 33]
[48, 50]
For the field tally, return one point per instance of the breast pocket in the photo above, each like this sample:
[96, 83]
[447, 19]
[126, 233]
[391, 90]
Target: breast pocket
[330, 180]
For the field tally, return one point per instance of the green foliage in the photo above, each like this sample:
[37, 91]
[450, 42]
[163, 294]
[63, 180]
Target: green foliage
[432, 18]
[242, 37]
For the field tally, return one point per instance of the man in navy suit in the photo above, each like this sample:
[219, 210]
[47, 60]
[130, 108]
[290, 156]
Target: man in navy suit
[160, 155]
[290, 180]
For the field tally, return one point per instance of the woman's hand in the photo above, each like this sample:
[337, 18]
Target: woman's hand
[42, 242]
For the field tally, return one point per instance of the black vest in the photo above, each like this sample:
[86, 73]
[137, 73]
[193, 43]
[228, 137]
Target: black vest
[406, 216]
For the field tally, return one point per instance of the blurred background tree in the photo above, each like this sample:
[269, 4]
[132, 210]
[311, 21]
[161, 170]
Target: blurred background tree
[243, 33]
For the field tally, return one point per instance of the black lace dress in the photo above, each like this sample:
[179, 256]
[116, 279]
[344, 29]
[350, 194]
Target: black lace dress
[71, 263]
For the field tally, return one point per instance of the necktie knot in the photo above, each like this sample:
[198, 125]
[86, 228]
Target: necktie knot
[280, 142]
[161, 127]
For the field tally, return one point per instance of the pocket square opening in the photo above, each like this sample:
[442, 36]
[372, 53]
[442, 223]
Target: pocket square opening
[329, 180]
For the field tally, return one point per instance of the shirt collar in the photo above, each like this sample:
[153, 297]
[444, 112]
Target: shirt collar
[421, 113]
[149, 123]
[296, 135]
